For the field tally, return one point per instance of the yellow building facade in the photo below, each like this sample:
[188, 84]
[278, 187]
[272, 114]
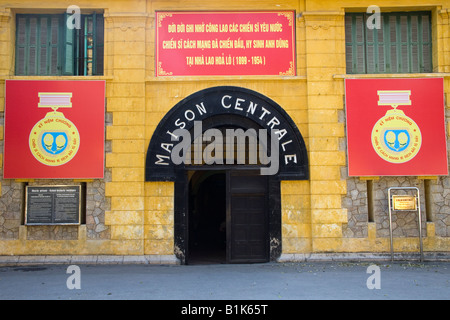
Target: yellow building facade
[128, 218]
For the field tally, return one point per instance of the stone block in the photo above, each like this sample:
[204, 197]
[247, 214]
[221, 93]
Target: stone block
[327, 244]
[159, 203]
[325, 101]
[326, 201]
[299, 230]
[328, 158]
[323, 173]
[169, 259]
[159, 217]
[135, 260]
[326, 130]
[299, 116]
[372, 230]
[330, 230]
[127, 62]
[125, 132]
[431, 229]
[130, 75]
[328, 216]
[159, 189]
[125, 160]
[290, 216]
[158, 232]
[295, 202]
[159, 247]
[113, 189]
[125, 34]
[319, 46]
[321, 116]
[122, 203]
[124, 104]
[329, 187]
[123, 247]
[129, 118]
[124, 90]
[130, 232]
[124, 218]
[295, 187]
[128, 174]
[296, 245]
[108, 259]
[325, 60]
[130, 48]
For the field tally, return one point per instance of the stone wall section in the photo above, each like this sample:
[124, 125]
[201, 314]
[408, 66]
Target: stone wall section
[357, 209]
[404, 224]
[10, 209]
[12, 212]
[440, 198]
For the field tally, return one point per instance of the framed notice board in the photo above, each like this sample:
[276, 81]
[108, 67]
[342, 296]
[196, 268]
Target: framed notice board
[53, 205]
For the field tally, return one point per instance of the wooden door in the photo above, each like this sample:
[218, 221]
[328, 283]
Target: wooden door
[247, 217]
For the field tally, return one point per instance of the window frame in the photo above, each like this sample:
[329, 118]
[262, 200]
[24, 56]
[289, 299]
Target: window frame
[424, 62]
[64, 67]
[38, 45]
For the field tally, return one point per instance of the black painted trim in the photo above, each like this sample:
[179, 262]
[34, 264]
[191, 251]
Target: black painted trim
[211, 99]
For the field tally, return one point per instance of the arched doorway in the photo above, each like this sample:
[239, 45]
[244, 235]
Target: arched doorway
[207, 217]
[228, 217]
[250, 198]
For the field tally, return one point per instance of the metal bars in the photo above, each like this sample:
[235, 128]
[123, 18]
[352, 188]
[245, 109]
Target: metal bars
[417, 209]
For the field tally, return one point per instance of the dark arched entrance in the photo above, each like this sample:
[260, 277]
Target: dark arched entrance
[252, 199]
[207, 217]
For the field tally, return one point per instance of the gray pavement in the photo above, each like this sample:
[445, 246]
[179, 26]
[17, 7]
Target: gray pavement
[260, 282]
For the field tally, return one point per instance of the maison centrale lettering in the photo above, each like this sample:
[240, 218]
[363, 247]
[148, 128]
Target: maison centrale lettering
[246, 118]
[265, 116]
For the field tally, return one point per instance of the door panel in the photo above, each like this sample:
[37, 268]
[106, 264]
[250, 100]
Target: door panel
[248, 239]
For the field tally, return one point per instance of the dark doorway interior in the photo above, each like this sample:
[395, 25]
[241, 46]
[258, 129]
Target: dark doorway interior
[207, 218]
[228, 219]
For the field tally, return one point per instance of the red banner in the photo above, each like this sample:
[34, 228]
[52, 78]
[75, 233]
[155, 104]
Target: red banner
[396, 127]
[225, 43]
[54, 129]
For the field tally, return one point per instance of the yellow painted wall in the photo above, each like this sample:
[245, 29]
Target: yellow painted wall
[141, 216]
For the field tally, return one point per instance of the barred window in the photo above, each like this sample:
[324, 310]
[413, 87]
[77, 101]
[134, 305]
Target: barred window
[46, 47]
[403, 44]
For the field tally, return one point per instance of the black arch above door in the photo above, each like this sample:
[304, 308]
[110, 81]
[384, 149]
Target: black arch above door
[232, 101]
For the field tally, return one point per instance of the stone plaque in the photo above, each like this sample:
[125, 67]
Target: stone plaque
[53, 205]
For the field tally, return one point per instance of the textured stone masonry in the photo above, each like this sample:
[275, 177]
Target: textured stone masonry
[405, 224]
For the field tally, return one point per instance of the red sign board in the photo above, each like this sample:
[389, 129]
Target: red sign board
[54, 129]
[396, 127]
[225, 43]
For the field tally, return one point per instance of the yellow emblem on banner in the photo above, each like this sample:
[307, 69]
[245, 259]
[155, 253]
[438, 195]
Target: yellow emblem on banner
[396, 138]
[54, 140]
